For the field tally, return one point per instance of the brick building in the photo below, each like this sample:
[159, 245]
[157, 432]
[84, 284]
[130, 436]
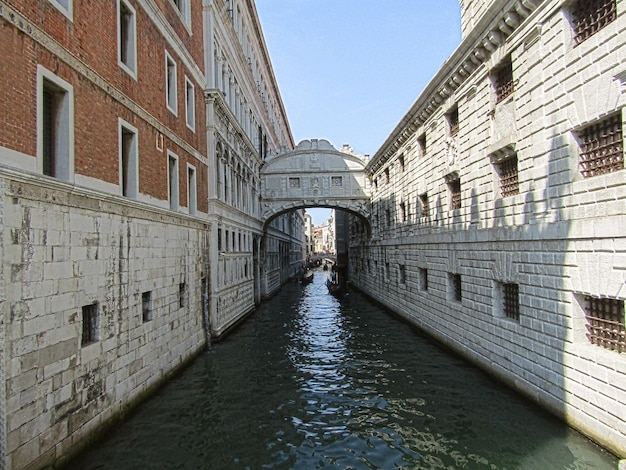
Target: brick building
[128, 204]
[498, 206]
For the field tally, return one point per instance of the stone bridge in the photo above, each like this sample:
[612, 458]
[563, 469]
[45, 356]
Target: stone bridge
[315, 174]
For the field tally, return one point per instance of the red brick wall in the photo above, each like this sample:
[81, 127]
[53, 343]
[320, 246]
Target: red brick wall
[92, 38]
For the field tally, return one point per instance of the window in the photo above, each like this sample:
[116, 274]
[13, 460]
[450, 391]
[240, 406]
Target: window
[454, 287]
[601, 147]
[386, 175]
[403, 215]
[507, 172]
[336, 181]
[387, 272]
[219, 239]
[503, 83]
[590, 16]
[401, 162]
[508, 301]
[421, 145]
[422, 274]
[424, 207]
[91, 324]
[190, 104]
[64, 6]
[172, 175]
[127, 37]
[402, 274]
[294, 183]
[55, 127]
[605, 323]
[129, 161]
[192, 195]
[454, 189]
[146, 306]
[453, 121]
[184, 8]
[170, 84]
[182, 294]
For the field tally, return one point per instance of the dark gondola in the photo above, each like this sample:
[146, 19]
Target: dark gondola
[307, 277]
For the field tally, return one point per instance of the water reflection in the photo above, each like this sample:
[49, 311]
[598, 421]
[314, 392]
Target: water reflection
[314, 382]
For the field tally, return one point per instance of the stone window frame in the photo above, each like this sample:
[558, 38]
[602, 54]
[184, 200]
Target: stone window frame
[455, 287]
[190, 104]
[503, 81]
[421, 144]
[183, 8]
[55, 96]
[422, 279]
[90, 331]
[336, 181]
[127, 37]
[182, 294]
[171, 84]
[64, 6]
[146, 306]
[402, 274]
[588, 17]
[424, 205]
[502, 161]
[452, 121]
[294, 183]
[128, 159]
[173, 183]
[192, 189]
[453, 181]
[507, 301]
[595, 145]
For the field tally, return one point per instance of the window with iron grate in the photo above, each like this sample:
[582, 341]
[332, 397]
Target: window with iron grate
[502, 78]
[510, 301]
[508, 174]
[590, 16]
[453, 121]
[91, 323]
[425, 208]
[605, 323]
[601, 147]
[454, 186]
[454, 287]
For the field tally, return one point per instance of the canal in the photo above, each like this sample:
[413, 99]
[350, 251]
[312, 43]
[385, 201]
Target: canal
[311, 381]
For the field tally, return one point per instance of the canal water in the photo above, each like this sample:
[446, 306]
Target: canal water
[310, 381]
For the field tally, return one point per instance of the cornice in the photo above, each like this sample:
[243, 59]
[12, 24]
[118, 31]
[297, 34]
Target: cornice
[491, 32]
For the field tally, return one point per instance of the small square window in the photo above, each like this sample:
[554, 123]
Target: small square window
[91, 324]
[453, 121]
[502, 78]
[605, 323]
[454, 287]
[601, 147]
[509, 301]
[590, 16]
[508, 175]
[146, 306]
[424, 206]
[454, 188]
[422, 274]
[182, 294]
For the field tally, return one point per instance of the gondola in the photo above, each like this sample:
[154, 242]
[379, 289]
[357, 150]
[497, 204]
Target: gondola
[307, 277]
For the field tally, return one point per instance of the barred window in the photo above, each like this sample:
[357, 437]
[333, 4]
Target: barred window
[421, 144]
[336, 181]
[503, 81]
[454, 187]
[590, 16]
[422, 274]
[509, 181]
[510, 301]
[91, 323]
[601, 147]
[424, 204]
[146, 306]
[453, 121]
[605, 323]
[294, 182]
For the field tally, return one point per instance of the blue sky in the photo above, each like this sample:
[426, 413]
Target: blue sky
[348, 70]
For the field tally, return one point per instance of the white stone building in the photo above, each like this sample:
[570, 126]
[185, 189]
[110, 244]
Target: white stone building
[499, 206]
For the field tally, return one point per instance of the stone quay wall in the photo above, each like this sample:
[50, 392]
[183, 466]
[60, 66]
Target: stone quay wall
[100, 300]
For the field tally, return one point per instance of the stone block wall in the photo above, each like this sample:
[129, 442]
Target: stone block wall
[556, 241]
[65, 249]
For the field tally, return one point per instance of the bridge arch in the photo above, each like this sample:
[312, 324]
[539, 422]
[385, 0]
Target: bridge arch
[315, 174]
